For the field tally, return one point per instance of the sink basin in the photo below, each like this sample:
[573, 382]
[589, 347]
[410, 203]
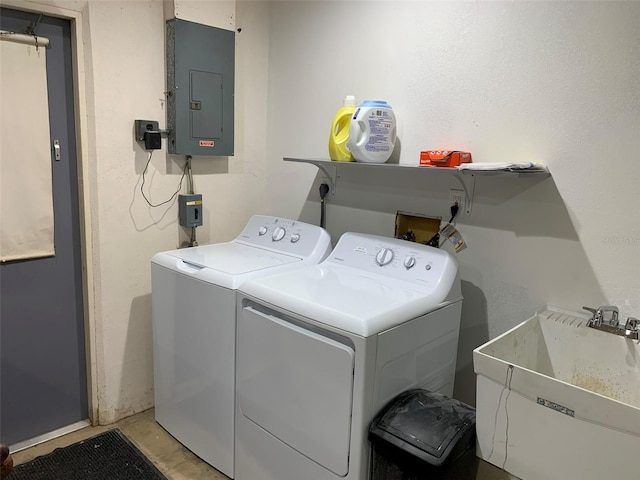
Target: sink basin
[557, 399]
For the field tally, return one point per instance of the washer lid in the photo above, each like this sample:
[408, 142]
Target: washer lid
[354, 300]
[266, 245]
[225, 264]
[232, 258]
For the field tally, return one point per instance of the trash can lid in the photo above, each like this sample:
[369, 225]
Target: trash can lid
[425, 424]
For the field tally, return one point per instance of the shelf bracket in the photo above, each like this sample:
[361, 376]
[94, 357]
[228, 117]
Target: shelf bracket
[332, 177]
[330, 172]
[468, 183]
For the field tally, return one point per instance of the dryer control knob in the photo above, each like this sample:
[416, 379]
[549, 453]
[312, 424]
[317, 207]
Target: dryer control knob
[384, 256]
[278, 234]
[295, 237]
[262, 231]
[409, 262]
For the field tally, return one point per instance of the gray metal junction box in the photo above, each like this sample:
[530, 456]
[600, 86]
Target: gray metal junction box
[190, 210]
[200, 89]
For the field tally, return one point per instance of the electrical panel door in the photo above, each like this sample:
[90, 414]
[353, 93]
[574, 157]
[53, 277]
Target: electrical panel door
[200, 96]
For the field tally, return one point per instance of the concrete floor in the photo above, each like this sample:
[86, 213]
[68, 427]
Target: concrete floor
[175, 461]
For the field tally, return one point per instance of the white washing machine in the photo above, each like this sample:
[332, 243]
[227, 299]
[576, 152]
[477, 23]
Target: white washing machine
[322, 349]
[194, 327]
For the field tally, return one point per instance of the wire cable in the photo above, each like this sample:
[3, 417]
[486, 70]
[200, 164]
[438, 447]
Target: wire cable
[435, 240]
[507, 385]
[193, 242]
[184, 171]
[324, 189]
[191, 188]
[454, 211]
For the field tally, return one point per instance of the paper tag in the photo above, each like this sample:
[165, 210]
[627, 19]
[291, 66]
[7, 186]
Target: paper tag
[454, 236]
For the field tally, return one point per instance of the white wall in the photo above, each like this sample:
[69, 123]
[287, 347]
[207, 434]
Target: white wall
[127, 232]
[514, 81]
[552, 82]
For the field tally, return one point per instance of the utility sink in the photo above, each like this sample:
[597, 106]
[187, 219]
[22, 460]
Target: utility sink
[559, 400]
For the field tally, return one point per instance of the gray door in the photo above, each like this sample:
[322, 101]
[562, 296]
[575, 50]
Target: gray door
[43, 380]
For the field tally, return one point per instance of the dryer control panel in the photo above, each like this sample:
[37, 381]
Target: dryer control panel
[394, 258]
[286, 236]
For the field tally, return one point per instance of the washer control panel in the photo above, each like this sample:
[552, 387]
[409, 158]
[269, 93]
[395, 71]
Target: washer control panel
[394, 258]
[284, 235]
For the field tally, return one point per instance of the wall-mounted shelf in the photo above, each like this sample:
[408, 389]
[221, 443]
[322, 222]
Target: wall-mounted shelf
[466, 178]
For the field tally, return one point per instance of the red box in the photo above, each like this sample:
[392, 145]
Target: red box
[444, 158]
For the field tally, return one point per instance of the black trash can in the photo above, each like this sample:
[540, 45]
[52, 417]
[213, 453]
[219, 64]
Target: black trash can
[423, 435]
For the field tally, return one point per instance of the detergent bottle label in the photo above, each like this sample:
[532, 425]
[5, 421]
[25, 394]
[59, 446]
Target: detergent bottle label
[380, 127]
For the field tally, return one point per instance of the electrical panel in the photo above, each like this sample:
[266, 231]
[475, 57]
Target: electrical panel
[200, 89]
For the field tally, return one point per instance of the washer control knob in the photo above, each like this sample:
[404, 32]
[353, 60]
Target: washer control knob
[262, 231]
[278, 234]
[295, 237]
[409, 262]
[384, 256]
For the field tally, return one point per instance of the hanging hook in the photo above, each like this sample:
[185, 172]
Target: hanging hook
[31, 29]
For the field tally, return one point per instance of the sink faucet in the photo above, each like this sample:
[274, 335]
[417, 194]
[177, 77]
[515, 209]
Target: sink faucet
[598, 317]
[605, 318]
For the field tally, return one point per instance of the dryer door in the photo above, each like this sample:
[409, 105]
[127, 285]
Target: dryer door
[297, 385]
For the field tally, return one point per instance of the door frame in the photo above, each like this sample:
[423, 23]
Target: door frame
[84, 184]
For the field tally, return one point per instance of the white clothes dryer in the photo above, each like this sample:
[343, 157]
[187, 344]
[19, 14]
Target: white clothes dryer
[322, 349]
[194, 327]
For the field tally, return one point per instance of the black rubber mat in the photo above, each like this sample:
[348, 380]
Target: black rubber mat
[108, 456]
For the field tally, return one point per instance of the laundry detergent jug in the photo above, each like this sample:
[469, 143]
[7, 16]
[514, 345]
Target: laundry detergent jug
[372, 132]
[340, 131]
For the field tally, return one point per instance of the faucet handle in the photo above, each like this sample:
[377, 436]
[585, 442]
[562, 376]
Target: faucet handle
[598, 317]
[613, 310]
[631, 324]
